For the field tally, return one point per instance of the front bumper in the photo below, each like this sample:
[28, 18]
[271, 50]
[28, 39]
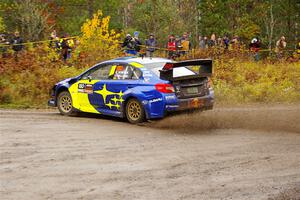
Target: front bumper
[52, 103]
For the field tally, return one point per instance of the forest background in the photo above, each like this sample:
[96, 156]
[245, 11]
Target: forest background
[268, 19]
[237, 78]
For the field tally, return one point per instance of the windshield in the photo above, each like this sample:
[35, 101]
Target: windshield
[177, 72]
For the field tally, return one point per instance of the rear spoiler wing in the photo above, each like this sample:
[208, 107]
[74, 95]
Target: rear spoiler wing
[205, 69]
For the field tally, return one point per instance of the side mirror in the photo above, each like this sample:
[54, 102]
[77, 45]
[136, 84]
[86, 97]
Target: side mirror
[89, 78]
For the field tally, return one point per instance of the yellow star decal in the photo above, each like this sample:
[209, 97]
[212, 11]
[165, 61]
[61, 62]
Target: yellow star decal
[109, 105]
[115, 99]
[121, 100]
[104, 92]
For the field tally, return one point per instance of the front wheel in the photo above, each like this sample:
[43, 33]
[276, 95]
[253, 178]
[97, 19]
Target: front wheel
[134, 111]
[64, 103]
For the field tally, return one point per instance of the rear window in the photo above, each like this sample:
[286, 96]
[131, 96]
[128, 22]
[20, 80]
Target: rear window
[177, 72]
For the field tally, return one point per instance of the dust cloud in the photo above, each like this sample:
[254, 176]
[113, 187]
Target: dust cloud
[285, 118]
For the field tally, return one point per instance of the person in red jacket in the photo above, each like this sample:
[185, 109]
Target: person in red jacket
[254, 47]
[171, 46]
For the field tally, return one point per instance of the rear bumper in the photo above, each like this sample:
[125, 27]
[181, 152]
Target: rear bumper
[201, 103]
[52, 103]
[197, 103]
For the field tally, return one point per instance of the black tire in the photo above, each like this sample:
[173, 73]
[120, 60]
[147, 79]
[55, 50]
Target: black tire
[65, 104]
[135, 112]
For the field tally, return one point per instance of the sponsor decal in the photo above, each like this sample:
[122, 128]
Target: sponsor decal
[155, 100]
[170, 97]
[147, 74]
[145, 102]
[196, 103]
[81, 85]
[85, 88]
[172, 106]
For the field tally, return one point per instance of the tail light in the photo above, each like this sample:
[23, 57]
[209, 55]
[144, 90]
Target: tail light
[164, 88]
[168, 66]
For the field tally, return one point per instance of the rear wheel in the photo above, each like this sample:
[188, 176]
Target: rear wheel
[134, 111]
[64, 103]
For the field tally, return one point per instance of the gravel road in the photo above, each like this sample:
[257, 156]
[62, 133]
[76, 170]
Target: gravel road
[250, 152]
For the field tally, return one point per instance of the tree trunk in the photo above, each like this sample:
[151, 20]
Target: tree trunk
[271, 25]
[90, 4]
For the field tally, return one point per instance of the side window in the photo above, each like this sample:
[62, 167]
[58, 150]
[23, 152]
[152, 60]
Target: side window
[123, 72]
[99, 73]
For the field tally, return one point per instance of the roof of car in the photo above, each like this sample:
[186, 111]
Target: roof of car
[143, 60]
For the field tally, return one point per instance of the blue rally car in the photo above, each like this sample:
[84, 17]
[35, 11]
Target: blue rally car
[137, 88]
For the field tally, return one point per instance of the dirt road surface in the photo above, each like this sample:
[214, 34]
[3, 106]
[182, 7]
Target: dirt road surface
[229, 153]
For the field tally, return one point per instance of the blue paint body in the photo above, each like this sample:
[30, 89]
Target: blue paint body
[155, 103]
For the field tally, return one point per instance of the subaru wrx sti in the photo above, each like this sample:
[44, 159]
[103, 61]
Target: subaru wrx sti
[137, 88]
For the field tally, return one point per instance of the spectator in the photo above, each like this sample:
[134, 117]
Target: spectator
[202, 42]
[138, 43]
[226, 42]
[171, 46]
[280, 46]
[178, 45]
[150, 44]
[65, 48]
[212, 41]
[185, 43]
[17, 44]
[296, 54]
[219, 42]
[255, 47]
[57, 43]
[52, 39]
[235, 42]
[3, 45]
[71, 44]
[130, 45]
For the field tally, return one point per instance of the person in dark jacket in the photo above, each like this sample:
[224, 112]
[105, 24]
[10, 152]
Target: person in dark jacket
[17, 44]
[212, 42]
[138, 42]
[178, 42]
[226, 42]
[150, 43]
[65, 47]
[202, 42]
[130, 45]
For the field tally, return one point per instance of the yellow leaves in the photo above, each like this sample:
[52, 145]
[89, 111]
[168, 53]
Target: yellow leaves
[98, 42]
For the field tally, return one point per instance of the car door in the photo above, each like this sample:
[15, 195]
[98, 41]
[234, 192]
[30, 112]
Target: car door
[121, 79]
[82, 91]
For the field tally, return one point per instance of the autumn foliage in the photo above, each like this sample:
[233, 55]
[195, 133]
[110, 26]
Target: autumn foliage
[26, 82]
[98, 42]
